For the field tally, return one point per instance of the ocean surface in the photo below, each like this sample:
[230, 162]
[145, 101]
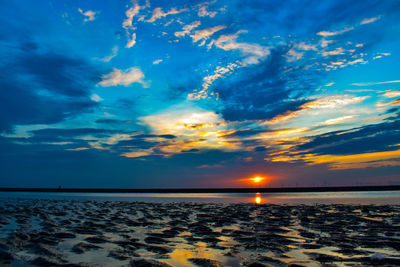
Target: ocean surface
[307, 198]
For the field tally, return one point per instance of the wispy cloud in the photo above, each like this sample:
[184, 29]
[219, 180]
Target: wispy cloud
[156, 62]
[205, 34]
[338, 120]
[330, 102]
[375, 83]
[123, 77]
[208, 80]
[356, 161]
[203, 12]
[188, 28]
[127, 24]
[158, 13]
[392, 94]
[380, 55]
[293, 55]
[111, 56]
[337, 51]
[131, 40]
[395, 102]
[89, 14]
[253, 53]
[370, 20]
[130, 13]
[96, 98]
[327, 33]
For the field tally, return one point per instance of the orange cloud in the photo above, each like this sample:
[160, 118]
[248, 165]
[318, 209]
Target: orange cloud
[342, 162]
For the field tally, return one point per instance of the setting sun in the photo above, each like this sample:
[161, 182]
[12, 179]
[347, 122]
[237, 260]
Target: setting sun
[257, 179]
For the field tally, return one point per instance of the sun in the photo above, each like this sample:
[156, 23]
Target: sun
[257, 179]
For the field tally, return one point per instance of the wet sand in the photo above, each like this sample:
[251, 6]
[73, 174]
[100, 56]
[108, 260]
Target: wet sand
[37, 232]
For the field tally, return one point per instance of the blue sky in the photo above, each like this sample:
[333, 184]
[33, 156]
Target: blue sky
[199, 94]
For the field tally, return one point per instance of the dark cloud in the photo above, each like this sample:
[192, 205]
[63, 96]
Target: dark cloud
[49, 132]
[245, 133]
[260, 148]
[166, 136]
[371, 138]
[43, 88]
[190, 150]
[307, 17]
[110, 121]
[266, 90]
[392, 110]
[40, 82]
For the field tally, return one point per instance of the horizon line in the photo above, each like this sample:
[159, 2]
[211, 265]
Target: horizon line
[205, 190]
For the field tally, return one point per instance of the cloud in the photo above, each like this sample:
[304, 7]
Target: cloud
[60, 88]
[137, 153]
[205, 34]
[208, 80]
[369, 138]
[357, 161]
[96, 98]
[123, 77]
[338, 120]
[156, 62]
[370, 20]
[327, 33]
[194, 128]
[111, 56]
[182, 119]
[253, 53]
[203, 12]
[391, 94]
[90, 15]
[337, 51]
[127, 24]
[74, 132]
[262, 91]
[130, 13]
[380, 55]
[395, 102]
[334, 102]
[158, 13]
[375, 83]
[304, 46]
[293, 55]
[188, 28]
[367, 146]
[110, 121]
[330, 102]
[131, 40]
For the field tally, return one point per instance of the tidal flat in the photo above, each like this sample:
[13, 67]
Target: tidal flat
[38, 232]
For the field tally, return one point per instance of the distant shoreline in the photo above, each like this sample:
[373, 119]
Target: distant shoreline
[207, 190]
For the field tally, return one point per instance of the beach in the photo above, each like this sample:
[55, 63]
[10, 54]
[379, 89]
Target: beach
[38, 232]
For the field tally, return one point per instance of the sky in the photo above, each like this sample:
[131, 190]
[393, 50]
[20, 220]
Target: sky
[199, 94]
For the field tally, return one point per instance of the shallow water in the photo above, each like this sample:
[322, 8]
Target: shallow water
[356, 198]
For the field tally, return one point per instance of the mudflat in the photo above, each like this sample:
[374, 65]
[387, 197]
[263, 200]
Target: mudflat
[36, 232]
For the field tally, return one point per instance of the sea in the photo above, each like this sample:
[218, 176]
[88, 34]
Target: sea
[304, 198]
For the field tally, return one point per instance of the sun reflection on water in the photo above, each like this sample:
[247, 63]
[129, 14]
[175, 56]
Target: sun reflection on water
[258, 199]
